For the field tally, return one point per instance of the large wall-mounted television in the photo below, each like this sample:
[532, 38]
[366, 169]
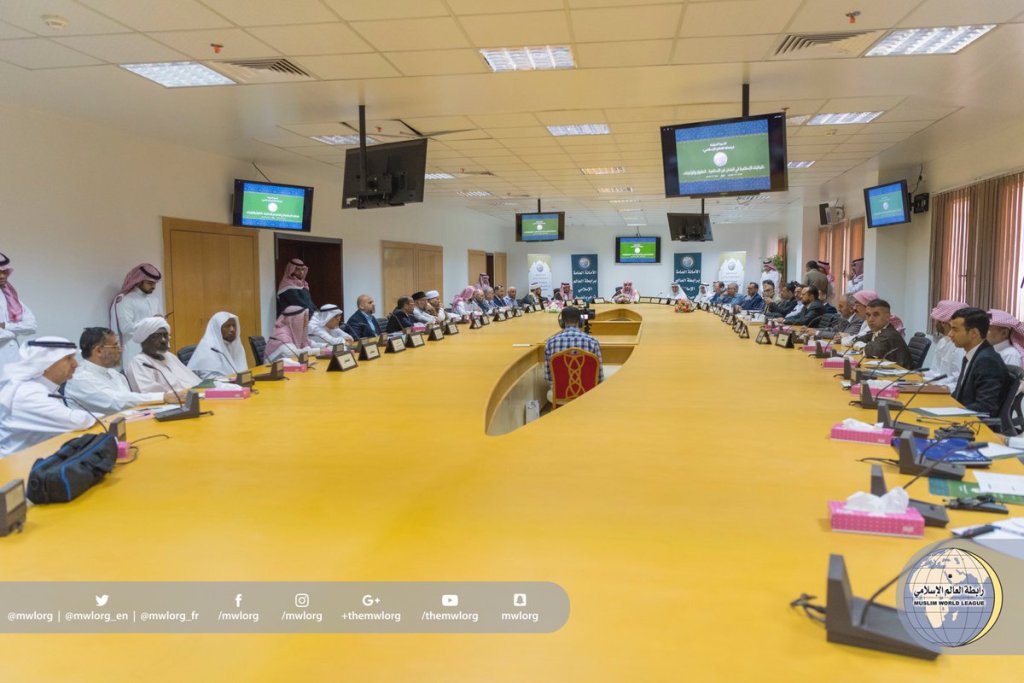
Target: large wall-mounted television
[270, 205]
[540, 227]
[690, 227]
[638, 250]
[740, 156]
[887, 204]
[394, 175]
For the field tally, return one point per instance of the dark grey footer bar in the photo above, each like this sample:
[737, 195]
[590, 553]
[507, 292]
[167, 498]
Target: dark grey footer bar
[282, 607]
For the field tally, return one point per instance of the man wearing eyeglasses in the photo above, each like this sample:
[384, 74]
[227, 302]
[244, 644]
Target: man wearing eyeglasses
[98, 385]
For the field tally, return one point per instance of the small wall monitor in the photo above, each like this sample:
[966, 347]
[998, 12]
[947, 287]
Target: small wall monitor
[540, 227]
[270, 205]
[689, 227]
[638, 250]
[887, 204]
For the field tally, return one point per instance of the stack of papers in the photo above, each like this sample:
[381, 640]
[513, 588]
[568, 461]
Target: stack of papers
[990, 482]
[945, 411]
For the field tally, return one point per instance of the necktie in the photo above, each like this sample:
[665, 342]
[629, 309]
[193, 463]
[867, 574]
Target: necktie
[960, 380]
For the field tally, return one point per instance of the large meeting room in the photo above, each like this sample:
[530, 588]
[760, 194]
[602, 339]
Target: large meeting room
[543, 341]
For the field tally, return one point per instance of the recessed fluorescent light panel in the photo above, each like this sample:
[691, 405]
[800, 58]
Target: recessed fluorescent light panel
[607, 190]
[342, 139]
[800, 164]
[179, 74]
[797, 120]
[944, 40]
[623, 201]
[542, 58]
[438, 176]
[580, 129]
[845, 118]
[602, 171]
[474, 193]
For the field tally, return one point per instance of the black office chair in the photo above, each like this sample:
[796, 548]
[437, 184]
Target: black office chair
[259, 349]
[918, 345]
[382, 323]
[185, 353]
[348, 330]
[1011, 419]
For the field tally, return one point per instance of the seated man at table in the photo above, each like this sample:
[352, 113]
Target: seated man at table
[984, 380]
[752, 301]
[846, 321]
[732, 296]
[785, 305]
[422, 313]
[571, 337]
[811, 312]
[219, 354]
[768, 293]
[401, 318]
[510, 298]
[156, 368]
[1006, 335]
[436, 308]
[717, 293]
[883, 341]
[948, 358]
[29, 413]
[325, 327]
[362, 323]
[97, 383]
[290, 336]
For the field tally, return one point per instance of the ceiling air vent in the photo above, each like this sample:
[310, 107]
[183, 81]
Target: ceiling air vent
[818, 45]
[273, 70]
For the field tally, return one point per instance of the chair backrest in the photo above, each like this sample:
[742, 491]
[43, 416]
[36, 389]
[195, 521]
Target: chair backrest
[918, 345]
[185, 353]
[259, 349]
[1010, 417]
[574, 372]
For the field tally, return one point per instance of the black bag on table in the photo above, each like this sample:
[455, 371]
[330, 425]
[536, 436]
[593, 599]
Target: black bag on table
[73, 469]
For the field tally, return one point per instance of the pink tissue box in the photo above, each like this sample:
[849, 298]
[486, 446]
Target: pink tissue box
[891, 392]
[242, 392]
[811, 348]
[837, 363]
[302, 367]
[882, 436]
[909, 523]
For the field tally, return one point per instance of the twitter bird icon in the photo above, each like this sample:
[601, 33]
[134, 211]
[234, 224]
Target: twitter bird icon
[101, 600]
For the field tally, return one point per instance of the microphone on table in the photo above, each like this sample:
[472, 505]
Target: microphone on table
[915, 393]
[292, 347]
[869, 401]
[973, 446]
[183, 411]
[237, 379]
[882, 359]
[65, 398]
[166, 381]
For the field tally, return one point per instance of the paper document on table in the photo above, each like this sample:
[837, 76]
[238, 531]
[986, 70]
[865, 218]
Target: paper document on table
[878, 363]
[882, 372]
[990, 482]
[1006, 538]
[949, 411]
[996, 451]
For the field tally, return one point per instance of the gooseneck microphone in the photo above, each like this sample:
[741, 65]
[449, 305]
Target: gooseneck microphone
[972, 446]
[917, 391]
[287, 345]
[166, 381]
[227, 358]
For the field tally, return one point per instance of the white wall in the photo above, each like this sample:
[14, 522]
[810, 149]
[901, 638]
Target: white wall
[757, 240]
[82, 204]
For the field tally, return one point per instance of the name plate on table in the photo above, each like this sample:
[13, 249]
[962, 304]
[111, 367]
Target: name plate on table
[500, 315]
[645, 300]
[667, 302]
[451, 328]
[475, 324]
[243, 379]
[600, 300]
[762, 337]
[435, 334]
[276, 372]
[382, 340]
[736, 325]
[414, 340]
[394, 345]
[785, 340]
[537, 308]
[340, 362]
[517, 313]
[369, 352]
[527, 309]
[724, 314]
[744, 331]
[485, 319]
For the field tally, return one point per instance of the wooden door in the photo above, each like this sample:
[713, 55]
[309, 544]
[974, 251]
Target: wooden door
[477, 265]
[210, 267]
[500, 269]
[407, 267]
[324, 258]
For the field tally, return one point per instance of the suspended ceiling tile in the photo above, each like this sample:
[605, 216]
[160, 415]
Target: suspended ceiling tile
[737, 17]
[342, 67]
[625, 23]
[81, 21]
[40, 53]
[438, 62]
[623, 53]
[237, 44]
[271, 12]
[509, 30]
[360, 10]
[722, 49]
[123, 48]
[315, 39]
[394, 35]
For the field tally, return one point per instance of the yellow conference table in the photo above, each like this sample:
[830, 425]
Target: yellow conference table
[681, 505]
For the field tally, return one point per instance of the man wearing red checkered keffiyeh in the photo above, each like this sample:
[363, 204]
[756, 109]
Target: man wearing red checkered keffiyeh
[948, 358]
[1006, 335]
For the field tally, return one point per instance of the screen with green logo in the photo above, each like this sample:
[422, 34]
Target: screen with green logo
[887, 204]
[540, 227]
[262, 205]
[637, 249]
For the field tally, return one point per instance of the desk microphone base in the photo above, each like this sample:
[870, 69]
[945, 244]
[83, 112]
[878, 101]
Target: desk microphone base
[934, 515]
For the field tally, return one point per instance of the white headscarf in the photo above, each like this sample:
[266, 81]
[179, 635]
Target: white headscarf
[148, 326]
[231, 356]
[677, 296]
[36, 356]
[318, 324]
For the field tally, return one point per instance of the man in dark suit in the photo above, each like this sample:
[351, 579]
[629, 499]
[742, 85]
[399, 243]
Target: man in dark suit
[984, 379]
[883, 341]
[362, 323]
[401, 318]
[813, 309]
